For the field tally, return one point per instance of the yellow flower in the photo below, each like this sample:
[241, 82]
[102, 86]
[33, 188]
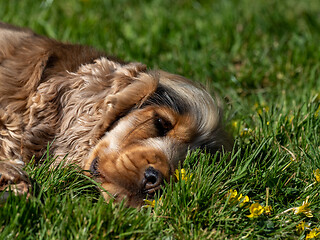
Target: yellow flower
[317, 174]
[234, 124]
[235, 198]
[300, 227]
[313, 233]
[152, 203]
[267, 210]
[291, 119]
[245, 132]
[255, 210]
[260, 108]
[233, 194]
[304, 208]
[244, 201]
[183, 175]
[239, 197]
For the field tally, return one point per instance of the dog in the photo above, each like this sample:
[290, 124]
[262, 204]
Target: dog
[127, 126]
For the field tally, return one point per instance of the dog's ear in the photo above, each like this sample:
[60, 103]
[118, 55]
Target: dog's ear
[124, 86]
[94, 97]
[130, 89]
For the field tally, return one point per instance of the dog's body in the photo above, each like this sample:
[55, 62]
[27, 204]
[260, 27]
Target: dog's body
[125, 124]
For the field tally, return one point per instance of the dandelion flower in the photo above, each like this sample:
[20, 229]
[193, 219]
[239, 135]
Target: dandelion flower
[313, 233]
[255, 210]
[235, 198]
[302, 226]
[304, 208]
[151, 203]
[317, 174]
[245, 132]
[291, 119]
[260, 108]
[233, 194]
[244, 201]
[239, 197]
[267, 210]
[183, 175]
[235, 124]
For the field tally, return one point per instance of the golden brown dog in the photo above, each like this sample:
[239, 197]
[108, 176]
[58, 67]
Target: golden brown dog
[127, 125]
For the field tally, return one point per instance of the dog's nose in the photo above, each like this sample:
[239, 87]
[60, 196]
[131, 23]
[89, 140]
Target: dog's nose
[94, 167]
[152, 180]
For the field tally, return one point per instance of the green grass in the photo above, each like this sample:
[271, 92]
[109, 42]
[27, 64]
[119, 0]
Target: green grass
[261, 57]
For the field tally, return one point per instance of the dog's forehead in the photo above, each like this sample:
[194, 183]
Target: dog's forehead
[185, 96]
[165, 96]
[198, 103]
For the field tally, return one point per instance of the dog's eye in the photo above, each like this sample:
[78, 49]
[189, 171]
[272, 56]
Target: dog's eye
[163, 126]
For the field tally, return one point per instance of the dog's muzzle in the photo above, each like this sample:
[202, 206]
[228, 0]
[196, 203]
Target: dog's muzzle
[151, 181]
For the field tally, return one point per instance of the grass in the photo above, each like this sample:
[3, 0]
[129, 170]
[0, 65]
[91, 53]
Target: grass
[261, 57]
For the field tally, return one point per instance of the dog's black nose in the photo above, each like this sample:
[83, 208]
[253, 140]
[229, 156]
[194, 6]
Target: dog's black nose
[152, 180]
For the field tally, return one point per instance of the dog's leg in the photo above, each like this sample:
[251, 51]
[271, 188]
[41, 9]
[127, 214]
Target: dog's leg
[13, 178]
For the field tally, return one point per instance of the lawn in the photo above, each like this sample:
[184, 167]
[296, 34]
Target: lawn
[261, 57]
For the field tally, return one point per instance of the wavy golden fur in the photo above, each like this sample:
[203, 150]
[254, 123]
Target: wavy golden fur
[127, 125]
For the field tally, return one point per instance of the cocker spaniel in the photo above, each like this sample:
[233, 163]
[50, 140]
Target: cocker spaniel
[127, 125]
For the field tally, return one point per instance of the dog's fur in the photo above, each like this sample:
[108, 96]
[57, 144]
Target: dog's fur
[129, 126]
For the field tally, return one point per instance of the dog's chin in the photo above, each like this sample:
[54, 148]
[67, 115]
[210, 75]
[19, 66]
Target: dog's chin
[117, 194]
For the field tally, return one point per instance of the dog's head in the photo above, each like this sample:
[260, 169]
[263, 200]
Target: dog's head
[151, 124]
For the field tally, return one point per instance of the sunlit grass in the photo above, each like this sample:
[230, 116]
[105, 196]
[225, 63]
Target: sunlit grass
[261, 57]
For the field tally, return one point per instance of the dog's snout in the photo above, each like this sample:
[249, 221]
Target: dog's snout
[151, 175]
[152, 180]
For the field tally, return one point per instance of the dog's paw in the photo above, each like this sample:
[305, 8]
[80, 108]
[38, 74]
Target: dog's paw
[13, 178]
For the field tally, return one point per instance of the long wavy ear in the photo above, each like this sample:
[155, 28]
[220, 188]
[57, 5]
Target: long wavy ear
[124, 85]
[102, 92]
[136, 88]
